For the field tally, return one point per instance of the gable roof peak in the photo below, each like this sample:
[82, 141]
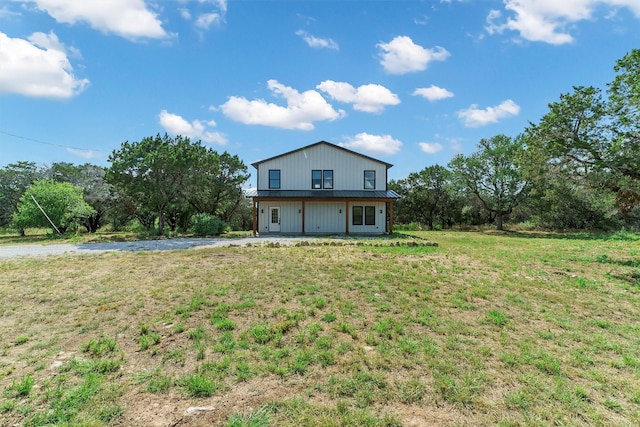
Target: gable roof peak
[322, 142]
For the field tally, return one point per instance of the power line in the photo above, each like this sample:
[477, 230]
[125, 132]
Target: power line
[51, 143]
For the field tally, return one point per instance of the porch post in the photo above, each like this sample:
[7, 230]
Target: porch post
[391, 217]
[254, 215]
[346, 217]
[303, 217]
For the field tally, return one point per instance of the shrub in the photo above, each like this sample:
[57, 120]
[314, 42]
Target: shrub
[206, 225]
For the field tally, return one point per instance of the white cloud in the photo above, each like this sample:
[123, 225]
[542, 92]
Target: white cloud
[421, 21]
[301, 111]
[374, 144]
[206, 13]
[221, 4]
[401, 55]
[317, 42]
[371, 98]
[430, 147]
[433, 93]
[205, 20]
[130, 19]
[5, 12]
[196, 129]
[85, 154]
[37, 67]
[549, 21]
[185, 13]
[475, 117]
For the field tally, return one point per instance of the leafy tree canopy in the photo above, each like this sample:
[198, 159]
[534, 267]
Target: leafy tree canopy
[96, 192]
[426, 195]
[176, 178]
[493, 175]
[589, 134]
[15, 178]
[62, 202]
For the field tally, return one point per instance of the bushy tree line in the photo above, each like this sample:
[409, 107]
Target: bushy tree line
[157, 182]
[577, 168]
[171, 179]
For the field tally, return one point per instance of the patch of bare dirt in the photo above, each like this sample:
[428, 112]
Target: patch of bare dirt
[169, 410]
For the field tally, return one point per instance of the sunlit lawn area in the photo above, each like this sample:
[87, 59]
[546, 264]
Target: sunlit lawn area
[485, 329]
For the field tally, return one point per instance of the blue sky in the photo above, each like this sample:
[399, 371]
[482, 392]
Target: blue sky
[409, 82]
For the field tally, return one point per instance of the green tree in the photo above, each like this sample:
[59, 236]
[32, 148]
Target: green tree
[595, 137]
[213, 187]
[242, 218]
[176, 178]
[216, 188]
[556, 202]
[153, 172]
[624, 107]
[563, 197]
[96, 191]
[426, 196]
[493, 175]
[15, 178]
[61, 201]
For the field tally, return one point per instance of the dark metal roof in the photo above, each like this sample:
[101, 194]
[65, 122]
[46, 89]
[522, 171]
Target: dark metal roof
[255, 164]
[322, 194]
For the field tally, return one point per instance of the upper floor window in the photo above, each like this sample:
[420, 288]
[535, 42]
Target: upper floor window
[327, 179]
[316, 179]
[274, 179]
[369, 180]
[322, 179]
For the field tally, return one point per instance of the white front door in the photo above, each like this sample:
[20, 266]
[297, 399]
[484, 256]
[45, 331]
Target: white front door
[274, 219]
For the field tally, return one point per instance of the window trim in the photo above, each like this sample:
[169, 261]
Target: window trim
[357, 219]
[324, 179]
[363, 215]
[320, 182]
[368, 211]
[272, 180]
[369, 180]
[316, 183]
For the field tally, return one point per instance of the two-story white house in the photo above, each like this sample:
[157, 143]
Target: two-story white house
[322, 189]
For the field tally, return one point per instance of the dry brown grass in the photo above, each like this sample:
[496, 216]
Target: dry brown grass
[483, 330]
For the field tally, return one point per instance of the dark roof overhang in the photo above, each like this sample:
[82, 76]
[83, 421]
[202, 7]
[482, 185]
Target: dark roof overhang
[322, 194]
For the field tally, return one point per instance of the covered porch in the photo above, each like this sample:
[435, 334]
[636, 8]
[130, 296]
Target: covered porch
[326, 212]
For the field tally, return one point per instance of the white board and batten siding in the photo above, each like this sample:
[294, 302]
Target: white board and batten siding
[348, 169]
[320, 218]
[325, 217]
[290, 217]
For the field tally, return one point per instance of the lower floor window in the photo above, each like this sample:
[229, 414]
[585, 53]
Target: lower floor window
[357, 215]
[364, 215]
[369, 215]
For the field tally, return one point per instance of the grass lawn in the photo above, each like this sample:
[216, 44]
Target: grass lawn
[485, 329]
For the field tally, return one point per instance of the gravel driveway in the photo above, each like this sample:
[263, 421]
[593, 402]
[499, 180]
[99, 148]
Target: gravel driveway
[34, 250]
